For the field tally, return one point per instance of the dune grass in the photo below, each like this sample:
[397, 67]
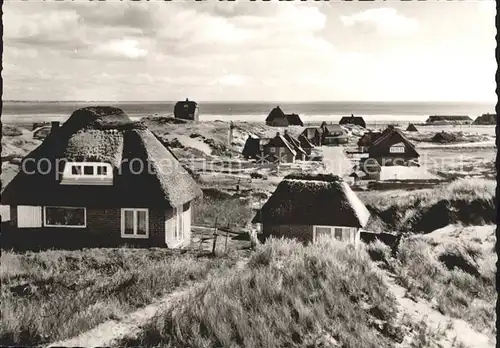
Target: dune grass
[230, 212]
[458, 278]
[467, 201]
[288, 295]
[53, 295]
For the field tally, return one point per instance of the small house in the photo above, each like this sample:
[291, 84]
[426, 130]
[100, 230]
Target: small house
[444, 138]
[333, 134]
[305, 144]
[294, 120]
[277, 118]
[411, 128]
[102, 180]
[448, 119]
[252, 147]
[313, 134]
[367, 140]
[354, 120]
[311, 207]
[280, 150]
[301, 153]
[42, 132]
[486, 119]
[187, 110]
[393, 148]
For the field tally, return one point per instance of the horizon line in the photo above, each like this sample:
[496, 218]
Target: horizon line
[251, 101]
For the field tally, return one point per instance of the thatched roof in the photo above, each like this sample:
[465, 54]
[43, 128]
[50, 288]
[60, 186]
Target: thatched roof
[280, 141]
[103, 134]
[294, 120]
[311, 132]
[304, 142]
[486, 119]
[443, 137]
[411, 128]
[294, 142]
[313, 200]
[389, 137]
[368, 138]
[356, 120]
[251, 147]
[437, 118]
[331, 129]
[275, 113]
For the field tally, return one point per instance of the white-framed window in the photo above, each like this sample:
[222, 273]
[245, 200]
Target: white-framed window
[73, 217]
[135, 223]
[338, 232]
[29, 216]
[397, 148]
[87, 173]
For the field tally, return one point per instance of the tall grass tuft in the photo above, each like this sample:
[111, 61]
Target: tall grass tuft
[288, 295]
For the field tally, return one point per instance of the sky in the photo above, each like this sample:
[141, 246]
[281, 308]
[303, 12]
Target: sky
[249, 51]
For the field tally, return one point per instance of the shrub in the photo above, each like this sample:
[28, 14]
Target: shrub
[379, 251]
[11, 130]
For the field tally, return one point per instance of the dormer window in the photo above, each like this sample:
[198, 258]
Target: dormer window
[87, 173]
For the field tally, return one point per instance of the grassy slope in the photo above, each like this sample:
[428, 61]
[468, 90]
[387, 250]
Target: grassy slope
[53, 295]
[288, 295]
[464, 200]
[456, 274]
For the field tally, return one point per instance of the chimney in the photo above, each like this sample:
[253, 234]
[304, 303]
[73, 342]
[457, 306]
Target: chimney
[285, 131]
[54, 126]
[277, 134]
[187, 99]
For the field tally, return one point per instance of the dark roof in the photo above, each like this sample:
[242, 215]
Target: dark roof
[444, 137]
[411, 128]
[294, 142]
[436, 118]
[311, 132]
[368, 138]
[389, 137]
[103, 134]
[185, 106]
[331, 128]
[251, 147]
[280, 141]
[357, 120]
[304, 142]
[275, 113]
[294, 120]
[313, 200]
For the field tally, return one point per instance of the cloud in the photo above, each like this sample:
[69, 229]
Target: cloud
[127, 48]
[387, 21]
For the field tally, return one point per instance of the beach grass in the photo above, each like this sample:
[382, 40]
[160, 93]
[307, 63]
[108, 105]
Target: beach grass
[53, 295]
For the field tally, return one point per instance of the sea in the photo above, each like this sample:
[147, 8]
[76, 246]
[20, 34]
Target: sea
[310, 112]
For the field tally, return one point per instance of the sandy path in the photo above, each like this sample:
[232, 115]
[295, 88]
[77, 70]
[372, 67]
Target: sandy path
[422, 310]
[111, 332]
[335, 160]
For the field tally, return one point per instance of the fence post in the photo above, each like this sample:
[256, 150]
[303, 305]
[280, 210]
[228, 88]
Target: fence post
[215, 237]
[227, 235]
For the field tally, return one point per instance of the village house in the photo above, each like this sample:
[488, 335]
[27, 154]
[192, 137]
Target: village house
[252, 148]
[448, 119]
[187, 110]
[301, 153]
[277, 118]
[309, 207]
[411, 128]
[367, 139]
[313, 134]
[305, 144]
[354, 120]
[393, 148]
[333, 134]
[279, 149]
[102, 180]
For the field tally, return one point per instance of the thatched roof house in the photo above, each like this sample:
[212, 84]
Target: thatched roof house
[187, 110]
[305, 144]
[278, 118]
[355, 120]
[313, 134]
[411, 128]
[294, 120]
[393, 148]
[310, 206]
[252, 147]
[449, 119]
[279, 149]
[486, 119]
[107, 179]
[333, 134]
[367, 139]
[301, 153]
